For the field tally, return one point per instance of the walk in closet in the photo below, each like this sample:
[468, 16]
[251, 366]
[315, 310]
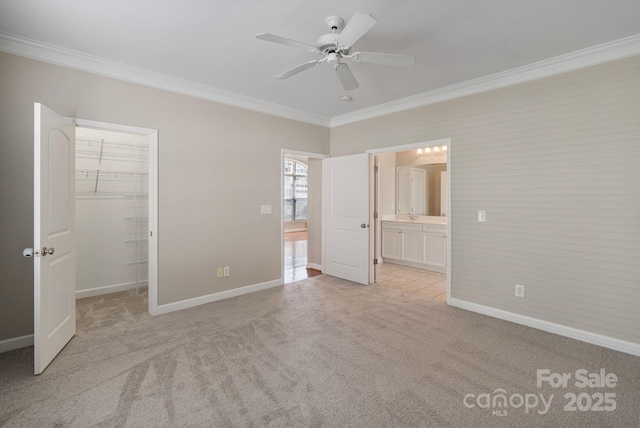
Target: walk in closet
[112, 211]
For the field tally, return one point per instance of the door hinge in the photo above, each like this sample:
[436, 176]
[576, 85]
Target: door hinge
[375, 261]
[375, 215]
[375, 168]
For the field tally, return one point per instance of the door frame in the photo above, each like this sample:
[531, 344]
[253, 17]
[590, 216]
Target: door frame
[312, 155]
[415, 146]
[152, 135]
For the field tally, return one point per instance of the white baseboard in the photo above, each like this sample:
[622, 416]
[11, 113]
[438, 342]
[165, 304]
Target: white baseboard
[99, 291]
[314, 266]
[196, 301]
[562, 330]
[16, 343]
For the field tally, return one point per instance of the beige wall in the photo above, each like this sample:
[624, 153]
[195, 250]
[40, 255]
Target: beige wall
[553, 162]
[217, 165]
[556, 165]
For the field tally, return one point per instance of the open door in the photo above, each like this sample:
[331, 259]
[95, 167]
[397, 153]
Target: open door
[54, 235]
[345, 197]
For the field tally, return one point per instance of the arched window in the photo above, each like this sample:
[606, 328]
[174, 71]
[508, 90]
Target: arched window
[296, 188]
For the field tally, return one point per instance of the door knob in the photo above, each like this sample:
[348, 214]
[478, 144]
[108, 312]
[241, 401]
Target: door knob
[363, 225]
[46, 251]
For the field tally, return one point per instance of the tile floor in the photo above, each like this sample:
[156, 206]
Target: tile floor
[419, 281]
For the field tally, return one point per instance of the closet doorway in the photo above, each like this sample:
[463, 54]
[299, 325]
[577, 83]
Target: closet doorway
[116, 211]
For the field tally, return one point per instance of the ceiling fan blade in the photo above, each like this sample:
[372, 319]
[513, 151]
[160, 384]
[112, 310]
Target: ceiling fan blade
[357, 26]
[346, 77]
[283, 41]
[384, 58]
[297, 69]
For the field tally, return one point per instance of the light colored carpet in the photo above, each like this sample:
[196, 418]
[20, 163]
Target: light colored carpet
[319, 352]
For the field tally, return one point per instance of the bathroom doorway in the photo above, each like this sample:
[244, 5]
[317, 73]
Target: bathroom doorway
[411, 229]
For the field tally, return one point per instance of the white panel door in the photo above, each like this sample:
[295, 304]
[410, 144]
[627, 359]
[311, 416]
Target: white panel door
[345, 197]
[54, 235]
[418, 191]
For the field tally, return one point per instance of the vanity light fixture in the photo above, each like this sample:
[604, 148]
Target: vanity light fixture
[427, 150]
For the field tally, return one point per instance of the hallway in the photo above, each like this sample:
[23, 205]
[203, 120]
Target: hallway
[295, 257]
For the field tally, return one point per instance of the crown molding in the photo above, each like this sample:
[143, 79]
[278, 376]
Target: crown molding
[96, 65]
[607, 52]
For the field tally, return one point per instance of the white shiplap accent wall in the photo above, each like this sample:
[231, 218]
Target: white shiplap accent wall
[559, 175]
[556, 165]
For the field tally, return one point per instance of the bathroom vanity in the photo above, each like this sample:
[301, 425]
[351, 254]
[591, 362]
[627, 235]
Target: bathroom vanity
[419, 241]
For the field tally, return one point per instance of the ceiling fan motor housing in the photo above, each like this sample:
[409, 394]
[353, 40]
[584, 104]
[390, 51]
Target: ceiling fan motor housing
[329, 44]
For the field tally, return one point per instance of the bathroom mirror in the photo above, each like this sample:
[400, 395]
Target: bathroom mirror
[418, 189]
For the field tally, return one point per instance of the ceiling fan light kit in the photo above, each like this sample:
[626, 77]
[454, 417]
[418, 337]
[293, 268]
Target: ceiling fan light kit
[337, 45]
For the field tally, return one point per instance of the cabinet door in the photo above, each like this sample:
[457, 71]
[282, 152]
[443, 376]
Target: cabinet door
[391, 243]
[412, 246]
[435, 249]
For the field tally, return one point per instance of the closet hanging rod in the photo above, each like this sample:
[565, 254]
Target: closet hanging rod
[124, 158]
[125, 145]
[107, 195]
[139, 222]
[102, 172]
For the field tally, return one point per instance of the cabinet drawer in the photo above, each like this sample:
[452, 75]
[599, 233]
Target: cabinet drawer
[435, 228]
[417, 227]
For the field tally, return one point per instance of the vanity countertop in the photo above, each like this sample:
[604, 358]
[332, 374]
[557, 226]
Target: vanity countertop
[424, 219]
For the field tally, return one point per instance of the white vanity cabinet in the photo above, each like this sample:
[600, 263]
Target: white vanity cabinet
[434, 238]
[417, 245]
[402, 241]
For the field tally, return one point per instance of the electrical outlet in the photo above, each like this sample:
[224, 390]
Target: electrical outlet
[219, 272]
[226, 271]
[519, 290]
[482, 216]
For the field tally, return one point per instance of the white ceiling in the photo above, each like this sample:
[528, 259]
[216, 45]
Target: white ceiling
[212, 42]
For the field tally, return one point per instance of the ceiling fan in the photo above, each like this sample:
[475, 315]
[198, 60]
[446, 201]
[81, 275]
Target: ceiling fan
[337, 45]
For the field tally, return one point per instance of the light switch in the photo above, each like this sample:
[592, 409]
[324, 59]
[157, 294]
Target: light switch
[482, 216]
[265, 209]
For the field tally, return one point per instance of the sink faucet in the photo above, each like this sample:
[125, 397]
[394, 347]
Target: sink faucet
[412, 217]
